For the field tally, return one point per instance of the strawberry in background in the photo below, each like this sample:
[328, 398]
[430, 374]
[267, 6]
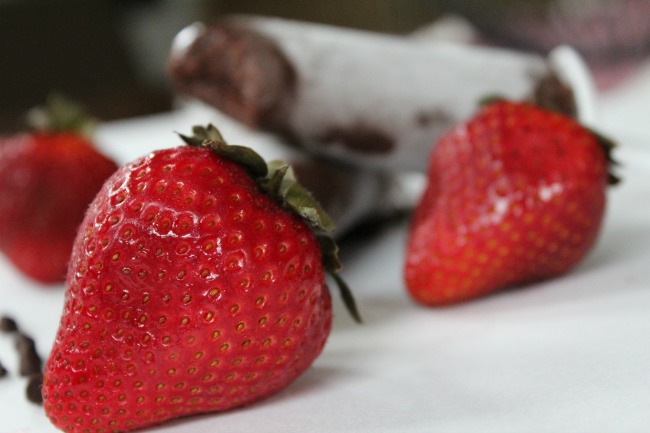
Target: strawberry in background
[515, 195]
[48, 177]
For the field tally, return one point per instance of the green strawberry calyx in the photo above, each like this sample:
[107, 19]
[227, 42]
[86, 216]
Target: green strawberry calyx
[277, 180]
[60, 114]
[608, 145]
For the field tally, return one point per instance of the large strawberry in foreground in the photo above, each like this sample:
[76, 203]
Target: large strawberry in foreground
[196, 284]
[515, 195]
[47, 179]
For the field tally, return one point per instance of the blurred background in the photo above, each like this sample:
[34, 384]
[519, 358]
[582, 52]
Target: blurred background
[111, 54]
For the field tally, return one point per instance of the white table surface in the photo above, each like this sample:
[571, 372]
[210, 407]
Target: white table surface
[567, 355]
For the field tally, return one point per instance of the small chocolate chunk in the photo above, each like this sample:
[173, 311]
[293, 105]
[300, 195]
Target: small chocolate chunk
[8, 325]
[33, 391]
[3, 371]
[30, 361]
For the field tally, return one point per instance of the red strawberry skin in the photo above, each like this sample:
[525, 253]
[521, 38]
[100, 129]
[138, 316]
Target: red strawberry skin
[189, 291]
[47, 181]
[515, 195]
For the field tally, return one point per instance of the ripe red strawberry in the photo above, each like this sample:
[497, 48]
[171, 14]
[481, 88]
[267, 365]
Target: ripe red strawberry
[192, 288]
[47, 180]
[516, 194]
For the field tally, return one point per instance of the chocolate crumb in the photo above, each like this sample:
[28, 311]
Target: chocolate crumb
[33, 391]
[8, 325]
[30, 361]
[3, 371]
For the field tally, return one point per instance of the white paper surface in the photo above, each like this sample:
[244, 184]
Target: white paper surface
[567, 355]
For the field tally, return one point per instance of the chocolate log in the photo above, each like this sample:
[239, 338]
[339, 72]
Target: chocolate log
[371, 99]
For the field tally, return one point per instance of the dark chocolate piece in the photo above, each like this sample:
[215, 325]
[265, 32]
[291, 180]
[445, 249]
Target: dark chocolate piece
[554, 95]
[240, 72]
[33, 391]
[3, 371]
[8, 325]
[30, 361]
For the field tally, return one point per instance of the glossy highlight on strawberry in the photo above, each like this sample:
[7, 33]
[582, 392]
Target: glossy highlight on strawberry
[515, 195]
[189, 291]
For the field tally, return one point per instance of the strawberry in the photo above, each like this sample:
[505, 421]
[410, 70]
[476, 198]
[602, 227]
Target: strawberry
[515, 195]
[196, 284]
[47, 179]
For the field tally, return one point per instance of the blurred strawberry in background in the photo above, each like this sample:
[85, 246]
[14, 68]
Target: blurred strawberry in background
[48, 176]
